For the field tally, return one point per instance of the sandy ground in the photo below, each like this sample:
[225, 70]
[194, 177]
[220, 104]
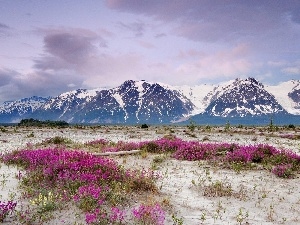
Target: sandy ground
[258, 196]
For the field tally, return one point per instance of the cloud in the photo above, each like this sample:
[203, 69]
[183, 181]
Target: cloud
[191, 53]
[74, 59]
[146, 44]
[138, 28]
[68, 47]
[229, 63]
[6, 76]
[292, 70]
[160, 35]
[206, 20]
[277, 63]
[3, 26]
[63, 65]
[14, 85]
[71, 45]
[4, 29]
[69, 51]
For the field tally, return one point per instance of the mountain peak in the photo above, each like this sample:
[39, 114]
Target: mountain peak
[242, 98]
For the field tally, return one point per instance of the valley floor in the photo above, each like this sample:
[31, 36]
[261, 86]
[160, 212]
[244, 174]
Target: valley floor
[256, 197]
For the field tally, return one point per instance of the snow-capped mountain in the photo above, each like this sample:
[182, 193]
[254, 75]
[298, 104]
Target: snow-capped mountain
[131, 102]
[12, 111]
[64, 105]
[197, 94]
[288, 95]
[136, 102]
[148, 102]
[242, 98]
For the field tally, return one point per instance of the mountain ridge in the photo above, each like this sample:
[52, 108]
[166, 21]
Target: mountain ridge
[140, 101]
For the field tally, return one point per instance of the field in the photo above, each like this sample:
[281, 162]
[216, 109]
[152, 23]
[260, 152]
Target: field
[181, 175]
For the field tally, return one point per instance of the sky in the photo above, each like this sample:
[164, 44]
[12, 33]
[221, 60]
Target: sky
[48, 47]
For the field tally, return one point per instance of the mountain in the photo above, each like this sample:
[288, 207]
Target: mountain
[136, 102]
[64, 105]
[244, 102]
[243, 98]
[197, 94]
[148, 102]
[12, 111]
[132, 102]
[288, 95]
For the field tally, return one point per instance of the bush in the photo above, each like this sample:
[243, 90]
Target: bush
[283, 171]
[144, 126]
[33, 122]
[291, 126]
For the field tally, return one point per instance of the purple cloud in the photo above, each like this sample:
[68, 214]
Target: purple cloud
[68, 51]
[160, 35]
[75, 55]
[209, 20]
[3, 26]
[4, 29]
[68, 47]
[137, 28]
[6, 76]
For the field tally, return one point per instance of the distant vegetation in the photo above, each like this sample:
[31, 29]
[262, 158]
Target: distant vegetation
[144, 126]
[37, 123]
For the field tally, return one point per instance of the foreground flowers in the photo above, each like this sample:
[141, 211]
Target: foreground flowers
[100, 187]
[282, 163]
[94, 183]
[6, 208]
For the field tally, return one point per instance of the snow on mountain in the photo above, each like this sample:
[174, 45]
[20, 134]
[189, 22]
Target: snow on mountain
[142, 101]
[23, 106]
[197, 94]
[242, 98]
[13, 111]
[78, 96]
[284, 93]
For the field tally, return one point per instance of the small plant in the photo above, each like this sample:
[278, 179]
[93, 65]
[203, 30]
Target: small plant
[45, 202]
[157, 160]
[149, 214]
[271, 127]
[227, 126]
[30, 135]
[203, 217]
[205, 138]
[237, 167]
[271, 213]
[283, 171]
[144, 154]
[3, 129]
[192, 126]
[218, 189]
[57, 140]
[4, 180]
[241, 216]
[176, 220]
[208, 128]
